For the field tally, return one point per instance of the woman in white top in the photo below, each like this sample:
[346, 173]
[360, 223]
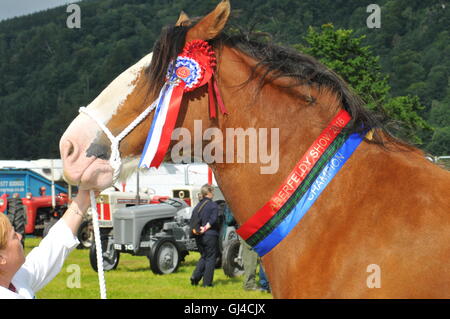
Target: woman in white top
[20, 277]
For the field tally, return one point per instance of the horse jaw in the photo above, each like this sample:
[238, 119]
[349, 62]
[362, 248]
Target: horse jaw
[81, 167]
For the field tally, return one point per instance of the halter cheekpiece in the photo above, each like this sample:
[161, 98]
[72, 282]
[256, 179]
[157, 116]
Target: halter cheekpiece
[192, 69]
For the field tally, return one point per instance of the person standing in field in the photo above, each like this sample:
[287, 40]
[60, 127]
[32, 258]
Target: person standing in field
[21, 277]
[206, 231]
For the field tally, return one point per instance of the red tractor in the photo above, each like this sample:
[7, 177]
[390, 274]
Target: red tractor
[23, 198]
[41, 214]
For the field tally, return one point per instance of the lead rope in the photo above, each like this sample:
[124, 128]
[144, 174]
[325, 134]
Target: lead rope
[116, 163]
[98, 247]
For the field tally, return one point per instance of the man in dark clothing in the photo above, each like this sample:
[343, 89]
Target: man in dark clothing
[207, 237]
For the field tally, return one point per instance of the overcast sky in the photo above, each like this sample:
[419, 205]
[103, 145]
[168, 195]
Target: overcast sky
[14, 8]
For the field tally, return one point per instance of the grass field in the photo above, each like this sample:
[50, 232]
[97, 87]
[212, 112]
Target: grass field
[133, 279]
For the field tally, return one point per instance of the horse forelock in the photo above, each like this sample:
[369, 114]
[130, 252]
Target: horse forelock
[165, 51]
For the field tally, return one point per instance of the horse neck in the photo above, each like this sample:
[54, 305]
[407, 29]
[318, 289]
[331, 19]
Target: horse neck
[299, 124]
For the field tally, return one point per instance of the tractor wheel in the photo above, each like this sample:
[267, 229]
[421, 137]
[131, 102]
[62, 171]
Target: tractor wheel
[85, 235]
[48, 225]
[231, 263]
[110, 255]
[17, 216]
[164, 257]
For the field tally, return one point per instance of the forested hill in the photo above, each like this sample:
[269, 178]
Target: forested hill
[47, 70]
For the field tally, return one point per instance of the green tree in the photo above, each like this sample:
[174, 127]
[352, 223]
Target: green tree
[440, 142]
[356, 64]
[440, 113]
[344, 53]
[439, 117]
[405, 109]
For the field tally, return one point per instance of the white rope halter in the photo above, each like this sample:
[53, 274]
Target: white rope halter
[116, 163]
[98, 247]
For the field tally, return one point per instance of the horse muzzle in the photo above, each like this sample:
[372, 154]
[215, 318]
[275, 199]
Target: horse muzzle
[85, 159]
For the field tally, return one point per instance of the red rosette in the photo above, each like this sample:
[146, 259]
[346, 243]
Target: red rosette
[183, 72]
[202, 52]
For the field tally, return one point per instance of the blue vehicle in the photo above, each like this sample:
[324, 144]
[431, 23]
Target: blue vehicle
[25, 182]
[26, 197]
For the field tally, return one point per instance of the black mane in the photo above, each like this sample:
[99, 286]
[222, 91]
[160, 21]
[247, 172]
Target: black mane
[277, 61]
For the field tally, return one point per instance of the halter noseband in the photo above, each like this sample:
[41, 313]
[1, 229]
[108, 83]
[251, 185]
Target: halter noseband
[115, 160]
[193, 68]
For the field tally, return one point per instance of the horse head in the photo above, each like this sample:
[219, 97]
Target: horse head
[85, 148]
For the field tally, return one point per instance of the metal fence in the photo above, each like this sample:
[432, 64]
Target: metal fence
[440, 160]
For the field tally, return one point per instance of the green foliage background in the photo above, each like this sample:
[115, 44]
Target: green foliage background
[48, 70]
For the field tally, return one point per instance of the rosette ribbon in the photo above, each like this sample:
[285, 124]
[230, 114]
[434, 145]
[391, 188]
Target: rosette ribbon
[193, 68]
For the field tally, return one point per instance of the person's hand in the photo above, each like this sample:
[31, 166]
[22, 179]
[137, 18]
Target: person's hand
[83, 199]
[203, 229]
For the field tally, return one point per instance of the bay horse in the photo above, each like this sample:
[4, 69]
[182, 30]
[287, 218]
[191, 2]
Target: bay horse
[388, 206]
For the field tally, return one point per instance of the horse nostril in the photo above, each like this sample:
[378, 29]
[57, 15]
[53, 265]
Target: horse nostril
[68, 149]
[71, 150]
[98, 150]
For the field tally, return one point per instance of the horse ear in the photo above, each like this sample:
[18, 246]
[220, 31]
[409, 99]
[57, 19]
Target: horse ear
[211, 25]
[183, 19]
